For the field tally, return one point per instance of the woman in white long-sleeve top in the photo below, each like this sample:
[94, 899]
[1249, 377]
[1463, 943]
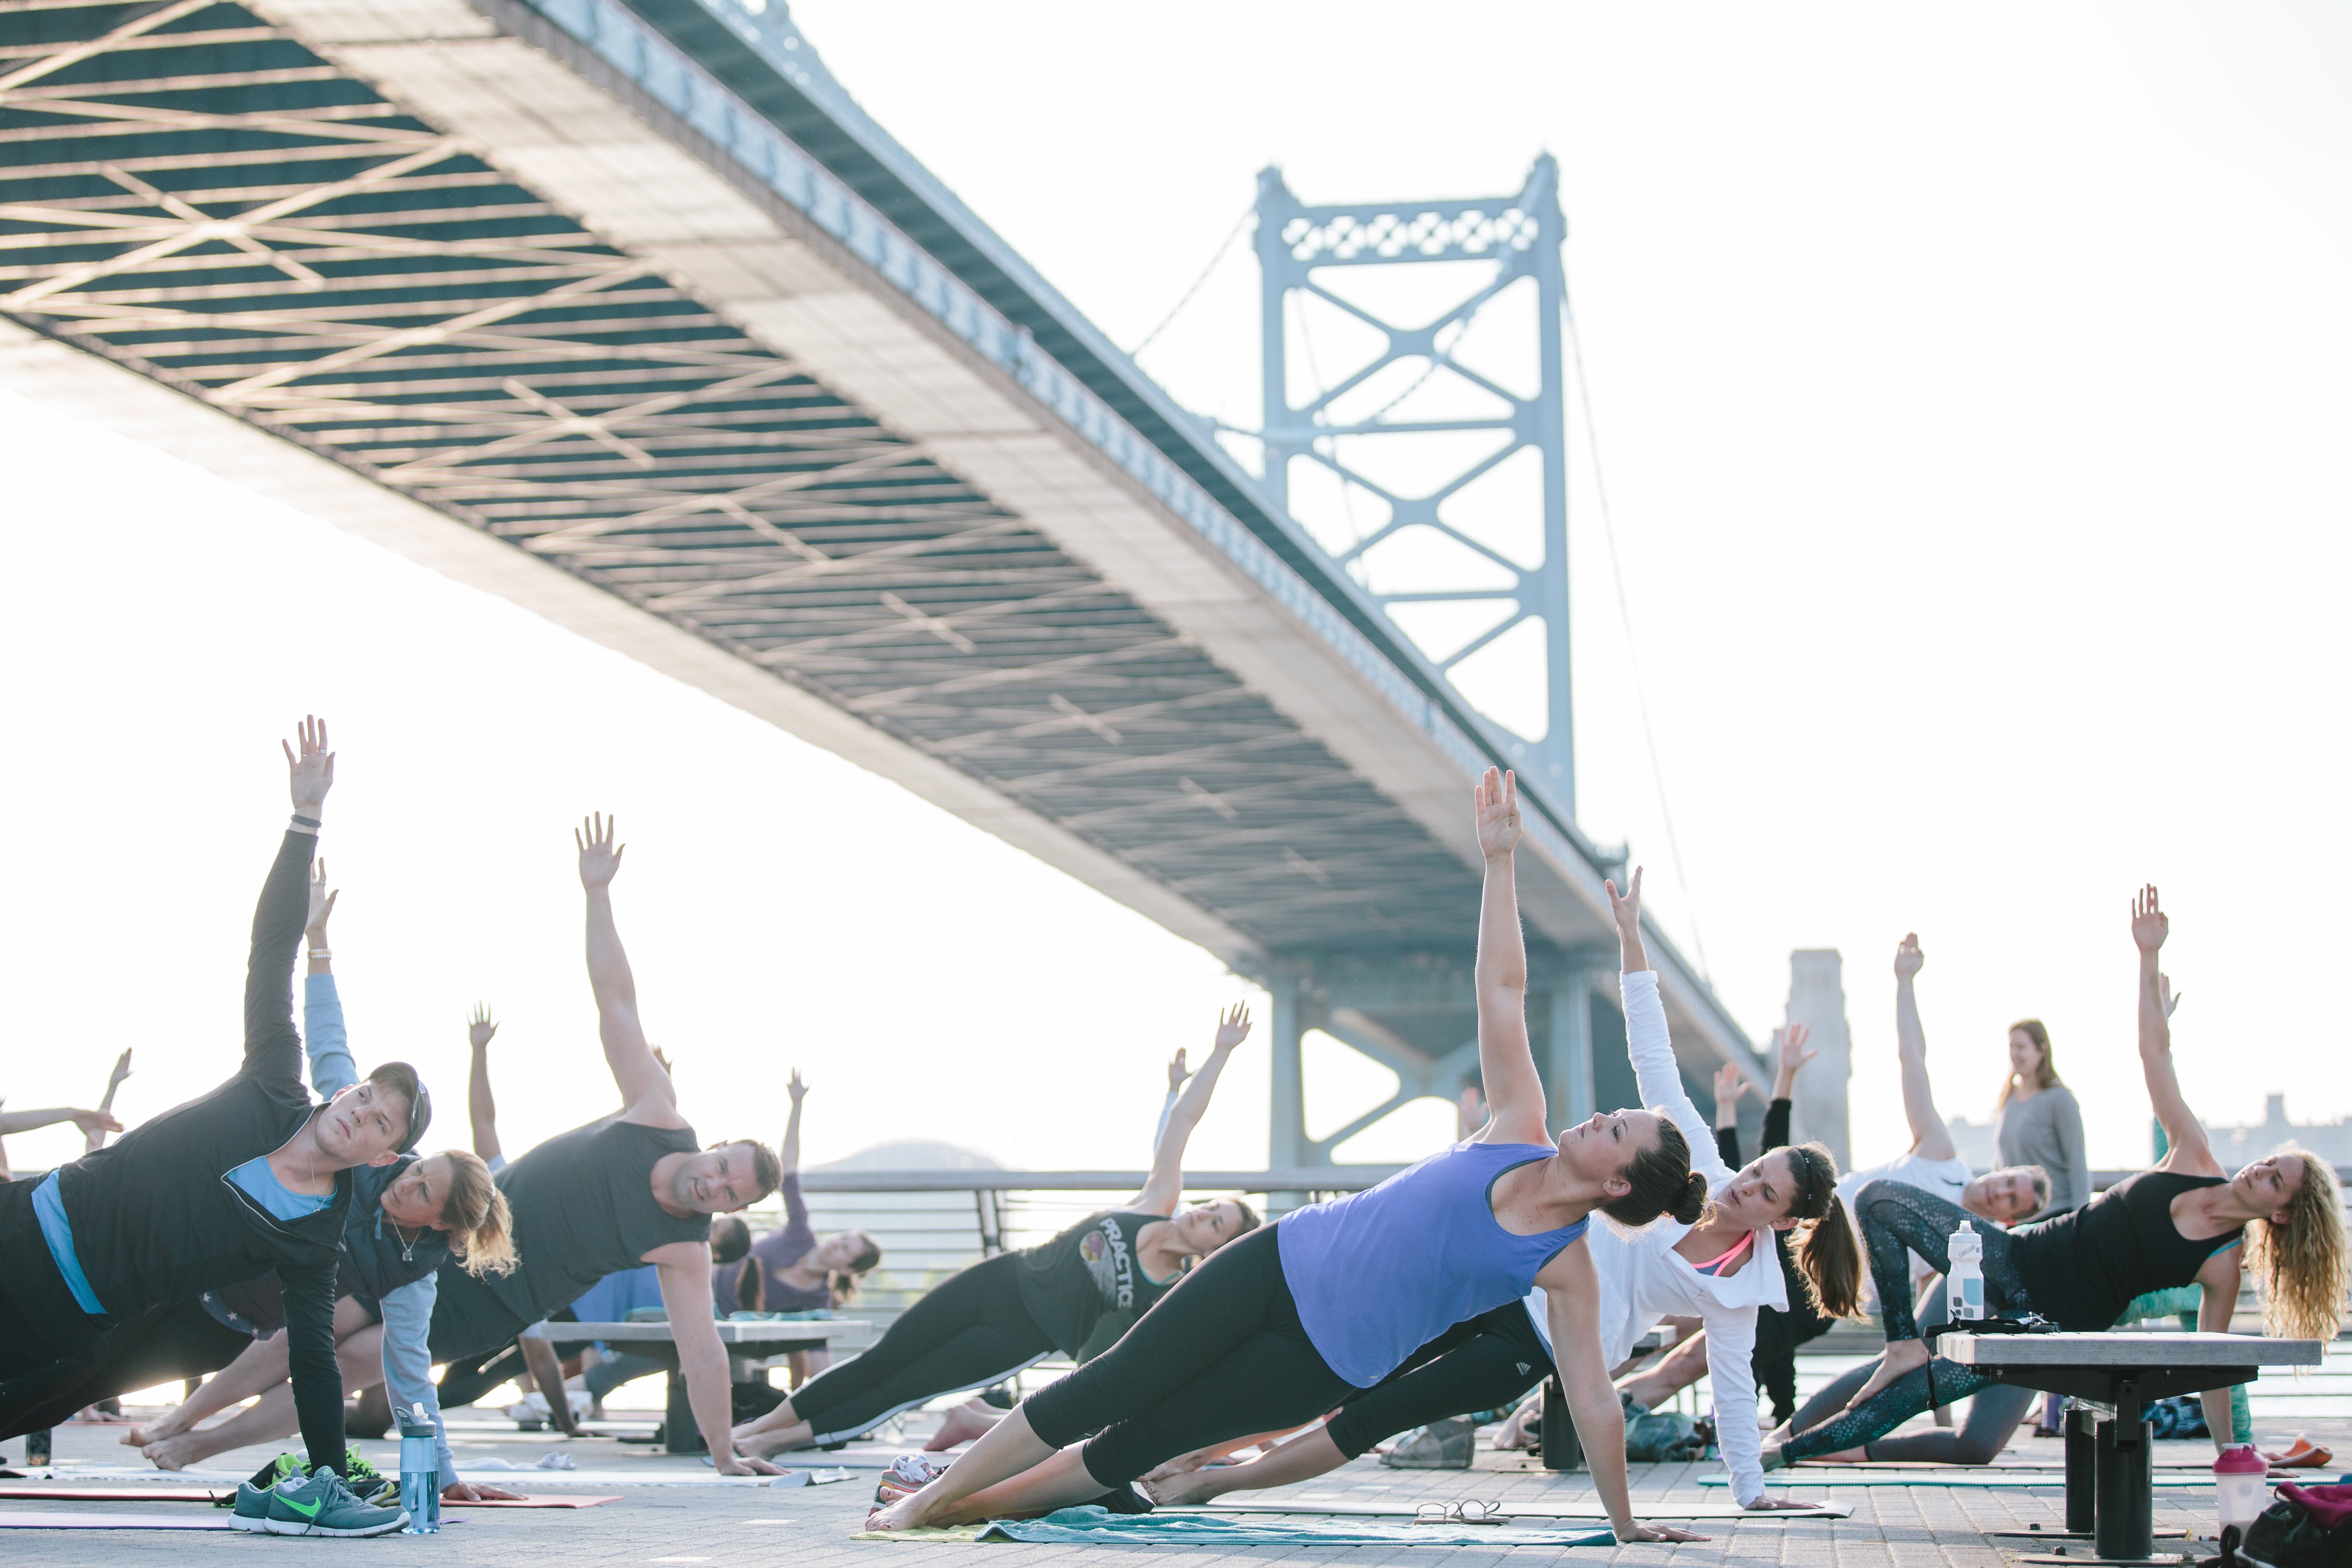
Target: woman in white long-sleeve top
[1719, 1270]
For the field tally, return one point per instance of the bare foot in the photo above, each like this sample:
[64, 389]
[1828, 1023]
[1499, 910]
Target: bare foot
[1901, 1356]
[963, 1423]
[1185, 1488]
[904, 1514]
[174, 1453]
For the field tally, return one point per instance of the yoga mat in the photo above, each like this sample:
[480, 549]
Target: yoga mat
[1913, 1479]
[221, 1494]
[1100, 1527]
[28, 1520]
[1644, 1511]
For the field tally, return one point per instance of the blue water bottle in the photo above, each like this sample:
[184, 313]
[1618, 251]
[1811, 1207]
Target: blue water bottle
[420, 1474]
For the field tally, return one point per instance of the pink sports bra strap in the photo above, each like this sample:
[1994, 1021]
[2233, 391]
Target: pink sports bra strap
[1715, 1265]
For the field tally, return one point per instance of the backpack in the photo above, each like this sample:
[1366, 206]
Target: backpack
[2305, 1527]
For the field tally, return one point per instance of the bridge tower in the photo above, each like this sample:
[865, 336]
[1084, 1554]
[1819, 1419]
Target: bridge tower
[1430, 460]
[1414, 427]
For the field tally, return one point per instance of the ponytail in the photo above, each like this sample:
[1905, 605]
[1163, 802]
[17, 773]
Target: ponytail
[481, 1225]
[1663, 1183]
[1829, 1259]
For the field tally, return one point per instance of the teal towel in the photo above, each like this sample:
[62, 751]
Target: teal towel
[1987, 1477]
[1092, 1526]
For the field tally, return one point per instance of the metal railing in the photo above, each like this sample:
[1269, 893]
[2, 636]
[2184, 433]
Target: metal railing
[931, 1223]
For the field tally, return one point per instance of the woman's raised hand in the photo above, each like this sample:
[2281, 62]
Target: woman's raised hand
[1793, 1053]
[1233, 1026]
[311, 773]
[1177, 1072]
[2149, 926]
[1626, 907]
[121, 1070]
[1730, 1083]
[1908, 956]
[94, 1121]
[600, 857]
[2166, 994]
[796, 1089]
[480, 1029]
[1497, 801]
[322, 904]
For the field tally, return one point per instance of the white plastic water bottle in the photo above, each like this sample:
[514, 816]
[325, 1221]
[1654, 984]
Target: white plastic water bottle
[1964, 1281]
[420, 1474]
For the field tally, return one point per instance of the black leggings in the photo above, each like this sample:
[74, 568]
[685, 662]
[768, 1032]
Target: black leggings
[1221, 1356]
[970, 1331]
[1780, 1333]
[1896, 1221]
[1485, 1364]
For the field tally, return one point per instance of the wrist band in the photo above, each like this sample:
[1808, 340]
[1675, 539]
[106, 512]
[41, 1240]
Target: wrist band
[306, 821]
[322, 953]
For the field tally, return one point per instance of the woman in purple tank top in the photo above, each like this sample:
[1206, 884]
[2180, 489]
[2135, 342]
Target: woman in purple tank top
[1282, 1325]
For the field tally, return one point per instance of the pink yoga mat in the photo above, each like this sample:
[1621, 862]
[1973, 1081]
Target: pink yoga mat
[214, 1494]
[28, 1520]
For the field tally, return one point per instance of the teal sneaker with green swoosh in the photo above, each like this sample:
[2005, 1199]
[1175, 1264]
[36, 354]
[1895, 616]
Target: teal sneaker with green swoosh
[323, 1505]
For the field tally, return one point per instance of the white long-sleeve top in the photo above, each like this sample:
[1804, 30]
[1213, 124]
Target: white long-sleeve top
[1644, 1279]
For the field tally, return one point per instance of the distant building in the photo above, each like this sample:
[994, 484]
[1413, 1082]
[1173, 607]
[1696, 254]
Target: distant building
[1817, 1000]
[2233, 1146]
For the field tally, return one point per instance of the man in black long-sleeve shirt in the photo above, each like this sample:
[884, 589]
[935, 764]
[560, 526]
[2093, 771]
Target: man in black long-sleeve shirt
[246, 1179]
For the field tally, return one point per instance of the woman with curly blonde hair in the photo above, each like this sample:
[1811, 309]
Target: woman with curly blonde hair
[2175, 1225]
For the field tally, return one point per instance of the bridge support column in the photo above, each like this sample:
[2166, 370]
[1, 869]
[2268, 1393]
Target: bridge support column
[1569, 1068]
[1288, 1145]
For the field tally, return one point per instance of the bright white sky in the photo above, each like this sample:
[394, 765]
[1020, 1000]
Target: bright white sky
[1972, 404]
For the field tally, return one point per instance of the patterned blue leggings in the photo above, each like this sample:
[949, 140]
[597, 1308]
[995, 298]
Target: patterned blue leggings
[1896, 1221]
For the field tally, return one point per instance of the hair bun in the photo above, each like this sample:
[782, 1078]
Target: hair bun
[1691, 1202]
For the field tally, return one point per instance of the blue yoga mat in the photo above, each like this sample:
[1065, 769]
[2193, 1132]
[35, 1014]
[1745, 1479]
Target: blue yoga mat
[1980, 1480]
[1092, 1526]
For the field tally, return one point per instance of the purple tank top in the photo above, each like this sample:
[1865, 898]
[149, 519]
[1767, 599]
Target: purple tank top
[1378, 1274]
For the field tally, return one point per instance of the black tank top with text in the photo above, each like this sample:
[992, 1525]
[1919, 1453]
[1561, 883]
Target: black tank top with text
[1069, 1282]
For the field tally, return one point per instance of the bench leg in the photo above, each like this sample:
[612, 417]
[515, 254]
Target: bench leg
[680, 1433]
[1562, 1448]
[2125, 1497]
[2082, 1470]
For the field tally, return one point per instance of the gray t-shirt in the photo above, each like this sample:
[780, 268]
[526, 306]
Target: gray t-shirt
[2047, 1131]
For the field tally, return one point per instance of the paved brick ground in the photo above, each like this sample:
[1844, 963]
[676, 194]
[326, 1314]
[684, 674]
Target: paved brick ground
[745, 1527]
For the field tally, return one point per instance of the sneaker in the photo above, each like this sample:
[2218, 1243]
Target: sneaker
[367, 1483]
[252, 1509]
[323, 1505]
[284, 1467]
[1440, 1445]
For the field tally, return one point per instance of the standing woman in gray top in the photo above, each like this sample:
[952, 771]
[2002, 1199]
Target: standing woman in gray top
[2038, 1122]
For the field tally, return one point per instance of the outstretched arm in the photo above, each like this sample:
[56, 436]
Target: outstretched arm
[644, 1087]
[1572, 1302]
[273, 1047]
[1166, 1183]
[702, 1360]
[91, 1122]
[792, 1146]
[332, 1071]
[480, 1108]
[1794, 1056]
[1930, 1139]
[1647, 1041]
[2187, 1150]
[94, 1138]
[1506, 1061]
